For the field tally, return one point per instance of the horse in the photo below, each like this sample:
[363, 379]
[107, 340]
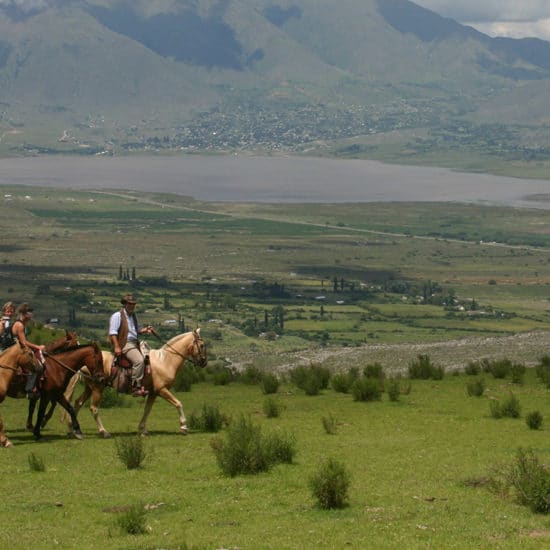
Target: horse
[13, 360]
[59, 369]
[164, 364]
[69, 341]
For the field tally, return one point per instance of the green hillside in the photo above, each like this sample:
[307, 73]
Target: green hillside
[112, 76]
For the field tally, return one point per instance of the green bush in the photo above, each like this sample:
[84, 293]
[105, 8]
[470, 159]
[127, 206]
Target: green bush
[330, 484]
[247, 451]
[393, 389]
[534, 420]
[374, 370]
[111, 399]
[341, 382]
[422, 368]
[500, 368]
[473, 368]
[186, 377]
[517, 370]
[366, 389]
[269, 383]
[508, 407]
[251, 375]
[271, 408]
[131, 451]
[330, 424]
[542, 370]
[132, 521]
[210, 419]
[476, 388]
[311, 379]
[36, 464]
[531, 481]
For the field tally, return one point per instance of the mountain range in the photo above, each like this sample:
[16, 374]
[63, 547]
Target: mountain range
[99, 75]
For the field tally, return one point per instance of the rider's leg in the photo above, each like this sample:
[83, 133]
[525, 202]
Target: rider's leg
[135, 357]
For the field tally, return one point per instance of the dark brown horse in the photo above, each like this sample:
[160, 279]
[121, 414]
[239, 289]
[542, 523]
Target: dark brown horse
[67, 342]
[59, 368]
[15, 359]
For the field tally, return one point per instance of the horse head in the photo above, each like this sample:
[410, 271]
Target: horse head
[198, 349]
[67, 342]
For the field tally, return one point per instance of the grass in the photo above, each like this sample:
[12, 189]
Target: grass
[408, 462]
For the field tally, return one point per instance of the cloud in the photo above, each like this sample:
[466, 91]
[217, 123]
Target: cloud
[539, 29]
[488, 11]
[26, 5]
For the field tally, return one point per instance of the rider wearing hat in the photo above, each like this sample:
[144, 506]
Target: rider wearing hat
[124, 331]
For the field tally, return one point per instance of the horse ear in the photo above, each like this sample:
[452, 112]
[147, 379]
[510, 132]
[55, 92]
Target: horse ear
[197, 331]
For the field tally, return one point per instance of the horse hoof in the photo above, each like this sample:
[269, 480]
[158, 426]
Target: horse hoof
[79, 436]
[30, 428]
[183, 431]
[7, 444]
[105, 435]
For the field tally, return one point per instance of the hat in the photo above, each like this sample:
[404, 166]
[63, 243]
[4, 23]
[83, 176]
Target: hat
[128, 299]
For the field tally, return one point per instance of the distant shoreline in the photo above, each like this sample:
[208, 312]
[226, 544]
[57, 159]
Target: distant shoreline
[247, 178]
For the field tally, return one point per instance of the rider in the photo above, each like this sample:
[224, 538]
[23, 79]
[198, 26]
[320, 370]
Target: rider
[19, 331]
[124, 330]
[6, 337]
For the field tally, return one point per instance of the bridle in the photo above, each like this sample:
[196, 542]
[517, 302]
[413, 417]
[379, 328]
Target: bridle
[197, 341]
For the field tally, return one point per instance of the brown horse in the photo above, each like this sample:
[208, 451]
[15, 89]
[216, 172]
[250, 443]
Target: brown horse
[164, 365]
[67, 342]
[15, 359]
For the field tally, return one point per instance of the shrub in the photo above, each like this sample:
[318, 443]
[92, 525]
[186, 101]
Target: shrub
[473, 368]
[271, 407]
[330, 424]
[534, 420]
[132, 521]
[341, 382]
[247, 451]
[393, 389]
[476, 388]
[374, 370]
[500, 368]
[531, 481]
[186, 377]
[543, 370]
[251, 375]
[517, 371]
[311, 379]
[423, 369]
[269, 383]
[210, 420]
[131, 451]
[330, 484]
[509, 407]
[36, 464]
[366, 389]
[281, 448]
[111, 399]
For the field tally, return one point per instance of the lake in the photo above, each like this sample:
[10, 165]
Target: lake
[274, 179]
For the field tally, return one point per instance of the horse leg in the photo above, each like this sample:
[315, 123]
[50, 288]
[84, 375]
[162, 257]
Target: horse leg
[97, 392]
[75, 426]
[171, 398]
[32, 407]
[142, 429]
[41, 411]
[49, 414]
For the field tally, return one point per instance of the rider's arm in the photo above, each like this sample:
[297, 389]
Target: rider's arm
[18, 330]
[114, 326]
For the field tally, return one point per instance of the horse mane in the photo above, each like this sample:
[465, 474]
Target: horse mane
[161, 351]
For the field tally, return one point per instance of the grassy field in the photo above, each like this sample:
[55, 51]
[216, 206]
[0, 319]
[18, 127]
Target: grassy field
[419, 469]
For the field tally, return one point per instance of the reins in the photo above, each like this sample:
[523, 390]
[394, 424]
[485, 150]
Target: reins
[9, 367]
[66, 367]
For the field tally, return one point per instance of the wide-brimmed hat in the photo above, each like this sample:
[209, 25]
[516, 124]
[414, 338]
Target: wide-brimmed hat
[128, 299]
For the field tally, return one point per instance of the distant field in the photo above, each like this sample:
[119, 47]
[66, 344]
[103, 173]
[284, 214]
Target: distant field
[306, 275]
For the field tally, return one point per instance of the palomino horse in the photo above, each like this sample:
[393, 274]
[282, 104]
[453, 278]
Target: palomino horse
[60, 368]
[15, 359]
[164, 365]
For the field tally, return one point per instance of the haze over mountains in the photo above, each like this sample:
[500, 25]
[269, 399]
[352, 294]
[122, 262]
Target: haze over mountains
[94, 75]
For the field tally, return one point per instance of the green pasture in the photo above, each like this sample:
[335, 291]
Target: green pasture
[419, 469]
[389, 272]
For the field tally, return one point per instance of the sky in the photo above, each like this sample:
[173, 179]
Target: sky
[510, 18]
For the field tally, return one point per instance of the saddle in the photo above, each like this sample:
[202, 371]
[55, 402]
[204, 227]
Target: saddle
[121, 373]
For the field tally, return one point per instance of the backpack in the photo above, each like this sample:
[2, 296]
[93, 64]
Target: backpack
[6, 337]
